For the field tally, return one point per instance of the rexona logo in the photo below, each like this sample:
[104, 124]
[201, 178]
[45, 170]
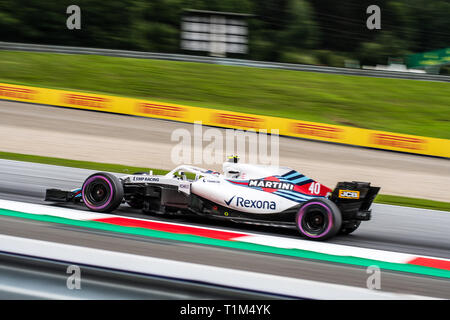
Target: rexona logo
[271, 184]
[348, 194]
[256, 204]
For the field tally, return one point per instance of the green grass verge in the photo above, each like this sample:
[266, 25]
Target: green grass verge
[78, 164]
[395, 105]
[413, 202]
[97, 166]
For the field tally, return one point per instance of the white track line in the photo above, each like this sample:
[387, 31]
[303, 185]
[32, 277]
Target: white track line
[51, 210]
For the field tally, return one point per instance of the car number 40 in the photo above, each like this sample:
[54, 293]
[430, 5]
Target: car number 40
[314, 188]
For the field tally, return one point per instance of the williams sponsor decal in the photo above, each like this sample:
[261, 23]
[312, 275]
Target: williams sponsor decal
[210, 181]
[271, 184]
[319, 131]
[255, 204]
[238, 121]
[395, 141]
[86, 101]
[144, 179]
[17, 93]
[161, 110]
[185, 187]
[348, 194]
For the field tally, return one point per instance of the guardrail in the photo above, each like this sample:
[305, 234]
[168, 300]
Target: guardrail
[11, 46]
[25, 277]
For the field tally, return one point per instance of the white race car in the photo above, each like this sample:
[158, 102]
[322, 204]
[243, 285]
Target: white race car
[247, 193]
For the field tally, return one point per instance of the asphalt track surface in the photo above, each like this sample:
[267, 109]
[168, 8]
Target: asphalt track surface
[101, 137]
[110, 138]
[393, 228]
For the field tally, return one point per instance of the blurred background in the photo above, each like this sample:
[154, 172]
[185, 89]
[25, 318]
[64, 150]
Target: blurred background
[305, 60]
[413, 41]
[319, 32]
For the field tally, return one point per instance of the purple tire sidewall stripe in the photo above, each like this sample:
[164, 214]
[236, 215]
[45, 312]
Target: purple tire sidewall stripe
[110, 195]
[330, 219]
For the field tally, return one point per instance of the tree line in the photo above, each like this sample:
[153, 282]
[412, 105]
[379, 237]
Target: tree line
[326, 32]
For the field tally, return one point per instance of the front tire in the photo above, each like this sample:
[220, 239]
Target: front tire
[102, 192]
[319, 219]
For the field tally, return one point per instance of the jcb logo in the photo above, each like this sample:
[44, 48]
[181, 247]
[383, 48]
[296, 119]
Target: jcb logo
[348, 194]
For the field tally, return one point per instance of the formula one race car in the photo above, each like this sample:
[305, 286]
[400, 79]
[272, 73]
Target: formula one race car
[265, 195]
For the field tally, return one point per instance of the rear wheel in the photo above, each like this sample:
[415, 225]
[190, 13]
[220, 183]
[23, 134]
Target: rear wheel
[319, 219]
[102, 192]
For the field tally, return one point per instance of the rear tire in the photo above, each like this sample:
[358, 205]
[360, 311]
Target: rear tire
[319, 219]
[102, 192]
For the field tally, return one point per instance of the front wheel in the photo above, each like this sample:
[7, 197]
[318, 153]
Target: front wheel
[102, 192]
[319, 219]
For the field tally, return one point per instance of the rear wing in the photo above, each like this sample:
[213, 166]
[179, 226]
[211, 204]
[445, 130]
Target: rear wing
[354, 199]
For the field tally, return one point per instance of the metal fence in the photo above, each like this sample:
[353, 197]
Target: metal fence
[10, 46]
